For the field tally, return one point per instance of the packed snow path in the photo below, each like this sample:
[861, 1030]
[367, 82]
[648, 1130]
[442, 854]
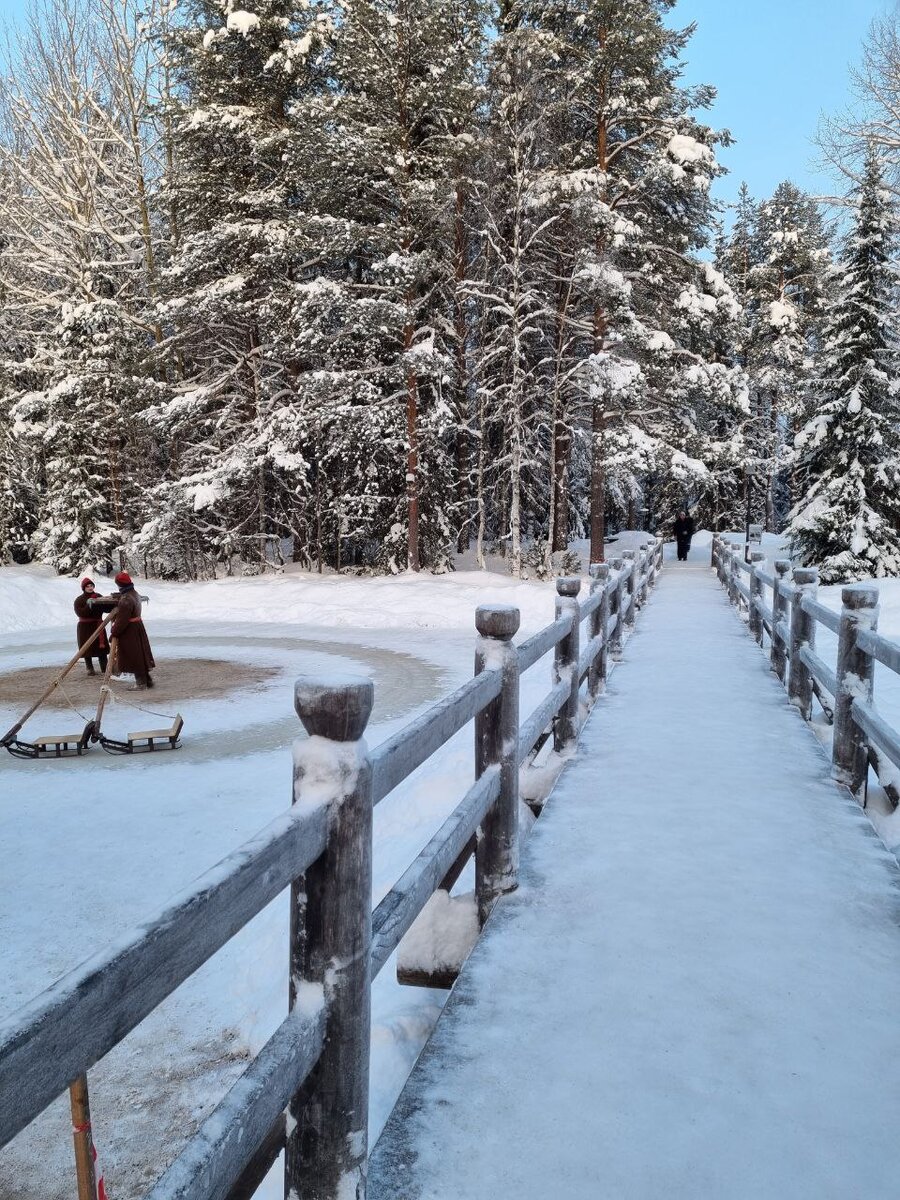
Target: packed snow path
[694, 991]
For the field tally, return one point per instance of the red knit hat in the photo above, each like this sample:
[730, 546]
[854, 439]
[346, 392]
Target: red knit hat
[122, 578]
[85, 582]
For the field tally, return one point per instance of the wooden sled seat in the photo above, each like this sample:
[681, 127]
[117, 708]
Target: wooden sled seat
[149, 737]
[63, 744]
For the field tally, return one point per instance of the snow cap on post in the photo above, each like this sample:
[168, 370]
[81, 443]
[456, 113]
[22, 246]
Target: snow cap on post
[497, 621]
[568, 585]
[859, 595]
[337, 707]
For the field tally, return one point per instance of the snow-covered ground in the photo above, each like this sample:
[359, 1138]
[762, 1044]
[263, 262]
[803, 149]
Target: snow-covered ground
[90, 846]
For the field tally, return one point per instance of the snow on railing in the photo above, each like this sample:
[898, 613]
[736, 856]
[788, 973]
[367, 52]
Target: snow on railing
[862, 738]
[306, 1092]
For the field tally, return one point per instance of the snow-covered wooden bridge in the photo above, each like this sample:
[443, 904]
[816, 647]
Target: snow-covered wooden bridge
[694, 990]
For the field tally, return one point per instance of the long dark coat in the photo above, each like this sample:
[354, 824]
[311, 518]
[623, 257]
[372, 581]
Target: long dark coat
[684, 531]
[134, 655]
[89, 618]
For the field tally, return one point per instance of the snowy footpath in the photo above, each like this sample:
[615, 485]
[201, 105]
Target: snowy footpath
[694, 991]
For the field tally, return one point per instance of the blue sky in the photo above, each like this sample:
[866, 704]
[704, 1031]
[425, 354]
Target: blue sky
[777, 64]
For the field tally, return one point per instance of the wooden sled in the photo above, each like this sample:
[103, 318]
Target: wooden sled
[145, 740]
[63, 745]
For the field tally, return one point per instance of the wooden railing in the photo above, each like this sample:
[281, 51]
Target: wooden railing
[862, 737]
[316, 1064]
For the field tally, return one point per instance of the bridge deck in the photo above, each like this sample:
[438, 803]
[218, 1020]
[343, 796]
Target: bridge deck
[696, 990]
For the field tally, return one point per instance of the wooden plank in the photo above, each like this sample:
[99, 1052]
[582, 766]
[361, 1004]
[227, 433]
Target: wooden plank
[406, 899]
[784, 588]
[65, 1030]
[260, 1163]
[742, 590]
[541, 643]
[611, 626]
[880, 648]
[217, 1155]
[413, 745]
[819, 669]
[876, 728]
[534, 726]
[831, 620]
[743, 566]
[591, 604]
[763, 609]
[765, 578]
[783, 629]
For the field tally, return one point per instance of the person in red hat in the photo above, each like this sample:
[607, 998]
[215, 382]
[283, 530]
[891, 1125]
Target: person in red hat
[90, 617]
[131, 646]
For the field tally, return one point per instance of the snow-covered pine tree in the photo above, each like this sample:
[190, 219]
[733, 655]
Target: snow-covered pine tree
[237, 479]
[622, 117]
[785, 298]
[847, 518]
[407, 92]
[77, 262]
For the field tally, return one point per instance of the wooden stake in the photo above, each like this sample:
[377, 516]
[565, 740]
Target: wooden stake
[81, 1135]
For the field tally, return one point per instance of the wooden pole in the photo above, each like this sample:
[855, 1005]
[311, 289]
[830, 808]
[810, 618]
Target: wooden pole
[497, 744]
[11, 733]
[331, 934]
[565, 663]
[79, 1102]
[803, 633]
[855, 681]
[780, 612]
[598, 673]
[756, 594]
[616, 607]
[104, 687]
[630, 561]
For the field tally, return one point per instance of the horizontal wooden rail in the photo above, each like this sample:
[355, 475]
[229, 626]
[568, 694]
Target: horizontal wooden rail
[765, 578]
[215, 1158]
[398, 910]
[819, 669]
[588, 654]
[75, 1022]
[534, 649]
[831, 620]
[546, 711]
[397, 758]
[880, 648]
[743, 566]
[884, 737]
[742, 589]
[765, 611]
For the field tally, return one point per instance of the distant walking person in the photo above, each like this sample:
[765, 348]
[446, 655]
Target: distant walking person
[89, 621]
[684, 531]
[133, 655]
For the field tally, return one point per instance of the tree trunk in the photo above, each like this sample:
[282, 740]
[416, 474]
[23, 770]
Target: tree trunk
[412, 457]
[462, 392]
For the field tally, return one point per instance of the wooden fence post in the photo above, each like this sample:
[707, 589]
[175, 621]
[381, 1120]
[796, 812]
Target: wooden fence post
[646, 572]
[497, 744]
[653, 568]
[736, 554]
[326, 1151]
[803, 633]
[855, 681]
[756, 594]
[565, 663]
[616, 607]
[599, 667]
[630, 560]
[82, 1136]
[780, 611]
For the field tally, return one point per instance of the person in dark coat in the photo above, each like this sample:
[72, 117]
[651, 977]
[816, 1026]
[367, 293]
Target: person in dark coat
[684, 531]
[133, 655]
[90, 618]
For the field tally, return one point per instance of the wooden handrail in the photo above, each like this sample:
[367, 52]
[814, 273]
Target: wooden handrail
[860, 731]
